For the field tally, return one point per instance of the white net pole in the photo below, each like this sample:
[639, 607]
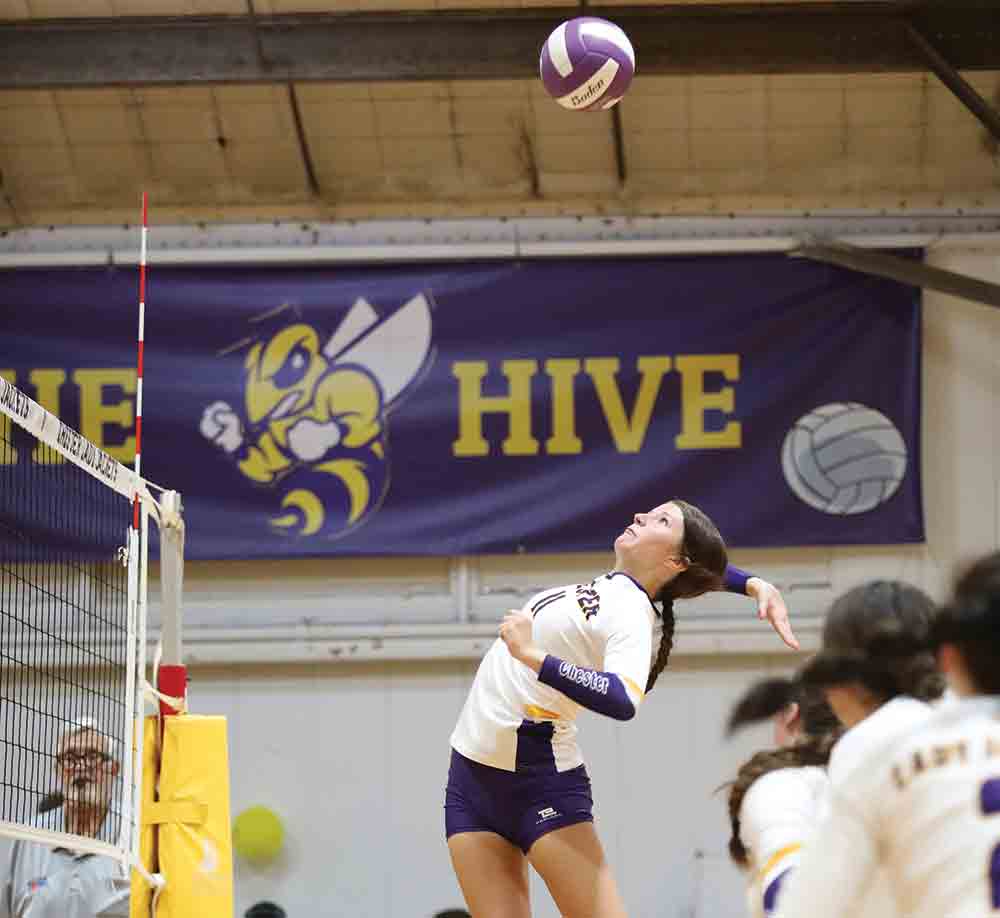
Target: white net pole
[171, 577]
[140, 667]
[132, 765]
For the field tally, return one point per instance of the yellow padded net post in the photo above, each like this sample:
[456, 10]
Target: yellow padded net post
[191, 820]
[192, 817]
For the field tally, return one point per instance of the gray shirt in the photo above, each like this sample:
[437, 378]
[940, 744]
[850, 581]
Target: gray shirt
[47, 882]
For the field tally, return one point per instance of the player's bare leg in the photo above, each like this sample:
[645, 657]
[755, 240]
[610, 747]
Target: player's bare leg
[493, 875]
[571, 862]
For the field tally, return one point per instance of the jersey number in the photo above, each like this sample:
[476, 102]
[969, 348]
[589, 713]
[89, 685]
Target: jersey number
[989, 798]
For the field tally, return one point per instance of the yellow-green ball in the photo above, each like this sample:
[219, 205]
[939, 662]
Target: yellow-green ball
[258, 834]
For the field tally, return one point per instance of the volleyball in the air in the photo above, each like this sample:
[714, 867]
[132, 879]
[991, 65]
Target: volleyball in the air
[844, 458]
[587, 64]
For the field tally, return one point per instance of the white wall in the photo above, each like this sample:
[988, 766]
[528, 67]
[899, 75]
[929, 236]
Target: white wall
[961, 419]
[353, 755]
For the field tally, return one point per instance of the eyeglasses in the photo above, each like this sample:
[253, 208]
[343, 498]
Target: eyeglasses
[90, 758]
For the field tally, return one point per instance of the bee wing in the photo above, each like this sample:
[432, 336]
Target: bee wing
[394, 349]
[358, 320]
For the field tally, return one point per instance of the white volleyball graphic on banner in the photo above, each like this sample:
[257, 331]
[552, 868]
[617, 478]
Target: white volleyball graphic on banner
[844, 458]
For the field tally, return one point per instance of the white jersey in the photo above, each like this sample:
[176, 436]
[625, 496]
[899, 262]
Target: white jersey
[609, 624]
[779, 813]
[926, 807]
[875, 734]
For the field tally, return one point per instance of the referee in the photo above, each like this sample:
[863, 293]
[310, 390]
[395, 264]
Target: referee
[60, 882]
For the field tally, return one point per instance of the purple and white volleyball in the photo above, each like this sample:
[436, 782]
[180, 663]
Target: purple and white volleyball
[587, 64]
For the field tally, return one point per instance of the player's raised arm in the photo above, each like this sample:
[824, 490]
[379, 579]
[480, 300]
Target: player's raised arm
[770, 603]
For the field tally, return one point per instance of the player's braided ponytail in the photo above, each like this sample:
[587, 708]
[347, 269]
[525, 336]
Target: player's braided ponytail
[666, 643]
[813, 751]
[705, 552]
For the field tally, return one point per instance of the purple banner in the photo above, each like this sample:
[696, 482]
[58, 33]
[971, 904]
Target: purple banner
[490, 407]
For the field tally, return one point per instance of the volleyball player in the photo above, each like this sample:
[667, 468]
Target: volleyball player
[877, 676]
[779, 795]
[909, 781]
[518, 791]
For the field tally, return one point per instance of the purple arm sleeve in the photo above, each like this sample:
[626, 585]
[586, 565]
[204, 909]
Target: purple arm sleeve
[735, 580]
[601, 692]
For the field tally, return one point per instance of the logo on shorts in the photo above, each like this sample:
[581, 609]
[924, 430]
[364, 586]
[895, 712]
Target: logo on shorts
[547, 813]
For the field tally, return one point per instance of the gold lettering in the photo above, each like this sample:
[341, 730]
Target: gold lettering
[473, 405]
[923, 760]
[628, 432]
[695, 402]
[47, 383]
[564, 440]
[95, 413]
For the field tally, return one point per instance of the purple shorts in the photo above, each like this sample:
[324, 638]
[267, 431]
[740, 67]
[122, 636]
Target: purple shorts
[520, 806]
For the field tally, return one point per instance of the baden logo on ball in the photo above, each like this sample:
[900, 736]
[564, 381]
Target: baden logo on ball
[587, 64]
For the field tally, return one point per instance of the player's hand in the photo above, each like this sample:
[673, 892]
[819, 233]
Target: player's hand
[515, 632]
[771, 607]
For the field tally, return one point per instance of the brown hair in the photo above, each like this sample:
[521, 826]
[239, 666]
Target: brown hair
[813, 751]
[879, 635]
[876, 634]
[705, 551]
[971, 623]
[762, 701]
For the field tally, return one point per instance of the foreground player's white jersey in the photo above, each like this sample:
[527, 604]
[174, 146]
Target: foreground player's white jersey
[609, 624]
[779, 813]
[875, 734]
[927, 807]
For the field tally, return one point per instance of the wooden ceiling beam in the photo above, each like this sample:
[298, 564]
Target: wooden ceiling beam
[846, 37]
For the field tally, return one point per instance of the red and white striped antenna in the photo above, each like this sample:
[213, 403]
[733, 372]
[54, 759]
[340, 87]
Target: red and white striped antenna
[142, 336]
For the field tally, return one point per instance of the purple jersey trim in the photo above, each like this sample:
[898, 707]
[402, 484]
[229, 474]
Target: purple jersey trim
[601, 692]
[735, 580]
[773, 888]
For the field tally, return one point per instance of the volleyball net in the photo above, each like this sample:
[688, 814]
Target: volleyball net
[72, 634]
